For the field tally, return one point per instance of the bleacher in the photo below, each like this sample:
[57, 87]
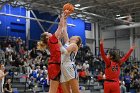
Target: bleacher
[20, 85]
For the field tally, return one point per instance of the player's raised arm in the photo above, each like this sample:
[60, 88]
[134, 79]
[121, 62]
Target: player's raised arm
[106, 60]
[127, 55]
[65, 34]
[60, 26]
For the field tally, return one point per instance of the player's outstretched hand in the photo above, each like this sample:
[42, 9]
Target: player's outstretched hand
[133, 46]
[101, 41]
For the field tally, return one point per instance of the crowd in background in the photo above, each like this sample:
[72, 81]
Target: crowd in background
[33, 63]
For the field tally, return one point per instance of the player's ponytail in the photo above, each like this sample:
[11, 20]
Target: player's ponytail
[42, 44]
[79, 42]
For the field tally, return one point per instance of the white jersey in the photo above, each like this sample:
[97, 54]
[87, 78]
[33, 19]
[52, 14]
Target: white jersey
[68, 67]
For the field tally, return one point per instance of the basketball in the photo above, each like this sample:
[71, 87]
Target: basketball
[68, 8]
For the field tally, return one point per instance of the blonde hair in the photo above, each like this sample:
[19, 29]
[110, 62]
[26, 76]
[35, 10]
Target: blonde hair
[42, 44]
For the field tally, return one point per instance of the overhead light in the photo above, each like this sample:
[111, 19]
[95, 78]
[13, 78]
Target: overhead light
[83, 8]
[118, 15]
[76, 8]
[73, 14]
[77, 5]
[122, 17]
[88, 18]
[84, 15]
[82, 19]
[79, 15]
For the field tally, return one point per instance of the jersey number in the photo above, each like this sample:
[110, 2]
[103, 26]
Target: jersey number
[115, 68]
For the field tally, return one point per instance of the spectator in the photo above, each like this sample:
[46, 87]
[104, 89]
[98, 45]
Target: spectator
[8, 87]
[122, 87]
[31, 82]
[21, 64]
[43, 82]
[39, 76]
[27, 67]
[33, 74]
[22, 51]
[33, 53]
[2, 75]
[83, 75]
[86, 65]
[100, 78]
[96, 72]
[9, 49]
[2, 54]
[127, 80]
[37, 69]
[10, 57]
[79, 67]
[45, 71]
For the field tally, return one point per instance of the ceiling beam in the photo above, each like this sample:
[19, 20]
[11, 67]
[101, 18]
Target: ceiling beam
[40, 20]
[100, 4]
[124, 6]
[133, 4]
[120, 27]
[5, 2]
[92, 14]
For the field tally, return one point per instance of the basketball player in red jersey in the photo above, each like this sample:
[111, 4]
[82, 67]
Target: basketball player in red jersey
[112, 71]
[51, 42]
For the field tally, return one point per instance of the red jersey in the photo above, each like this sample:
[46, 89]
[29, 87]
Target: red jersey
[112, 70]
[82, 74]
[54, 48]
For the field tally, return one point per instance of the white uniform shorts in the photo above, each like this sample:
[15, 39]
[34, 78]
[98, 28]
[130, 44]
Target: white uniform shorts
[68, 72]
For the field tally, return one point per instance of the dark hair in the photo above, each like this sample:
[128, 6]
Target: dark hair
[1, 65]
[79, 42]
[115, 57]
[42, 44]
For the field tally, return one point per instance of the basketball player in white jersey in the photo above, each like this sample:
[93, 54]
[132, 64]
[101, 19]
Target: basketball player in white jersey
[68, 67]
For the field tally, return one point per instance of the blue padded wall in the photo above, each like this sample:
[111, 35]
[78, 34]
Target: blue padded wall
[13, 26]
[35, 29]
[78, 30]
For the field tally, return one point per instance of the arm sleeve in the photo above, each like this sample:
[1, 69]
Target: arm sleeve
[127, 55]
[106, 60]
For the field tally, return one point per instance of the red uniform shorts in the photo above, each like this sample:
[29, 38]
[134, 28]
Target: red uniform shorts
[54, 71]
[111, 87]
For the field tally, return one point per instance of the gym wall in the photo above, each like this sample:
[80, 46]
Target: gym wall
[137, 42]
[90, 37]
[117, 39]
[122, 40]
[12, 26]
[79, 29]
[35, 29]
